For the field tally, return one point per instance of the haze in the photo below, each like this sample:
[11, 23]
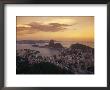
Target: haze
[61, 28]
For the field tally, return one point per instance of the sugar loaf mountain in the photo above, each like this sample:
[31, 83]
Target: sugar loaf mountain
[75, 59]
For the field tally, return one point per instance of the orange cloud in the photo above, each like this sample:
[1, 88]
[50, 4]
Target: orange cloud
[51, 27]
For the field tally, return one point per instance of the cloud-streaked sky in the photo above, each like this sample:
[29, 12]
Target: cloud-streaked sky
[66, 28]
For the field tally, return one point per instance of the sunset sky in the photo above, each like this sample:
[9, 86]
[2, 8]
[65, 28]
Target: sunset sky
[63, 28]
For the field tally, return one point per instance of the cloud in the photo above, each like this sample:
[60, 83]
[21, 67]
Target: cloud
[58, 25]
[35, 27]
[22, 28]
[51, 27]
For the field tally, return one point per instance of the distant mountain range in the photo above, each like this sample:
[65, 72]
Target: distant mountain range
[31, 41]
[79, 46]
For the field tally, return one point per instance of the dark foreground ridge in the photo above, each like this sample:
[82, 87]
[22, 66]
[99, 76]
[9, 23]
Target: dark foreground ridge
[40, 68]
[78, 59]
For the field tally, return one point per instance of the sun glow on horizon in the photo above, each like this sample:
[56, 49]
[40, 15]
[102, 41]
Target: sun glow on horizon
[63, 28]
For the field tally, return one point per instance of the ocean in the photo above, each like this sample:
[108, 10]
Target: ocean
[48, 51]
